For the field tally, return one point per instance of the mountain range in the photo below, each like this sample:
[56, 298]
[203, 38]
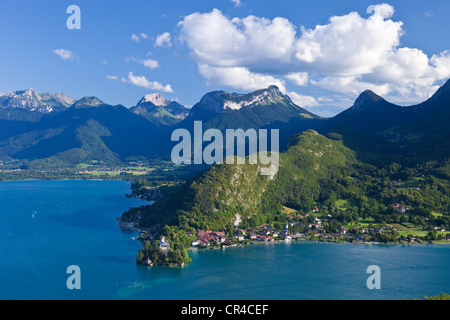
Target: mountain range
[57, 130]
[32, 101]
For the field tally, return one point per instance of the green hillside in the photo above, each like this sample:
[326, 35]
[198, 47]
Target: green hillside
[227, 193]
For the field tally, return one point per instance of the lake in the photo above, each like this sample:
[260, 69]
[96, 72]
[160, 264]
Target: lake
[47, 226]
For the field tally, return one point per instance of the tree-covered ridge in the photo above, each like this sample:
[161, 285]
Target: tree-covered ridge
[226, 193]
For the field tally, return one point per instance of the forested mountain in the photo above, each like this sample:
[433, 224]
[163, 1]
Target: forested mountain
[382, 132]
[88, 130]
[228, 193]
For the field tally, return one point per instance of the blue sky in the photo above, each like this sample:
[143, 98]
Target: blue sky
[184, 49]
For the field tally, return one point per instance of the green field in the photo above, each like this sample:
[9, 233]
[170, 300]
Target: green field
[289, 210]
[408, 185]
[405, 229]
[341, 204]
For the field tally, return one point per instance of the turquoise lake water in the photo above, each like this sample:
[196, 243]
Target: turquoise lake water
[75, 224]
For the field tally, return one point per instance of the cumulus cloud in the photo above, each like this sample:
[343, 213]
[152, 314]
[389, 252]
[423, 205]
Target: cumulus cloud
[216, 40]
[112, 77]
[163, 40]
[347, 55]
[302, 100]
[299, 78]
[239, 78]
[142, 81]
[65, 54]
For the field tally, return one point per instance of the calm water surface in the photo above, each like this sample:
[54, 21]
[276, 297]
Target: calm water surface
[46, 226]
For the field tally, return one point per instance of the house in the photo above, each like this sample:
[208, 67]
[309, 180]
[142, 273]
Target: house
[399, 207]
[195, 243]
[342, 230]
[264, 238]
[239, 237]
[252, 236]
[148, 262]
[285, 232]
[163, 244]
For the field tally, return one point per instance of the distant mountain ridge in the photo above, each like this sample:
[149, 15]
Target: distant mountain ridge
[88, 102]
[156, 98]
[30, 100]
[158, 110]
[379, 129]
[90, 129]
[262, 109]
[220, 102]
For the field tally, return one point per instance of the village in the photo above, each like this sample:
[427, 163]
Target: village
[308, 226]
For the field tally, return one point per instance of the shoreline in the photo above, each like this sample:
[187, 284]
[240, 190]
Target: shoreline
[277, 242]
[237, 245]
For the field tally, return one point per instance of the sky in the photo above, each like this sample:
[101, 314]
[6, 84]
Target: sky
[323, 54]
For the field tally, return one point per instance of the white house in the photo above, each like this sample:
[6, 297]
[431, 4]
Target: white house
[163, 244]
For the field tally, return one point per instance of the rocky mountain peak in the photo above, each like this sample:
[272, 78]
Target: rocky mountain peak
[156, 98]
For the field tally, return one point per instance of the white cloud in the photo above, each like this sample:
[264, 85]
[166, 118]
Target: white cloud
[237, 3]
[149, 63]
[240, 53]
[65, 54]
[142, 81]
[347, 55]
[299, 78]
[112, 77]
[239, 78]
[135, 38]
[247, 42]
[303, 101]
[163, 40]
